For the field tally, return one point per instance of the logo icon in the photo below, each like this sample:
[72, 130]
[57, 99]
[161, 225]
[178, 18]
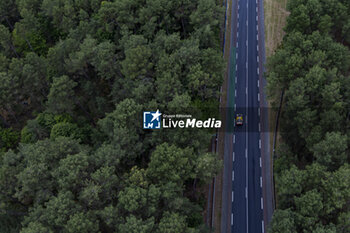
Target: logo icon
[151, 120]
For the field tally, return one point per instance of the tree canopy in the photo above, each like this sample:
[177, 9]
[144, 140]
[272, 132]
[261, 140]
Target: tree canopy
[75, 77]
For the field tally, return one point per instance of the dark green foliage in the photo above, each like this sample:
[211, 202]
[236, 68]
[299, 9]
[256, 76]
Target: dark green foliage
[75, 77]
[8, 139]
[312, 68]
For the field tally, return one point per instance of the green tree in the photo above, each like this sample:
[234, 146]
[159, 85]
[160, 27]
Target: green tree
[61, 96]
[331, 151]
[283, 222]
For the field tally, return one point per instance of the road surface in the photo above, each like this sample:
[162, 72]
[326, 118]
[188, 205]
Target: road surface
[245, 145]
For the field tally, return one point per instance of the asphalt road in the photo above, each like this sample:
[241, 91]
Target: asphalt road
[246, 196]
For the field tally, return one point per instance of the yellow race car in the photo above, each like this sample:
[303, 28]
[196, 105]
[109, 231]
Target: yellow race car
[239, 119]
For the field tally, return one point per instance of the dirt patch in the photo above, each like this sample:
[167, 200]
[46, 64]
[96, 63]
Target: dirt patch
[275, 19]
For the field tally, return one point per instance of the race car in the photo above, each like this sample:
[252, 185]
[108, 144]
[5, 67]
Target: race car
[239, 119]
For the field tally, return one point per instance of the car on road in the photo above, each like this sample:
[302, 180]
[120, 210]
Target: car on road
[239, 119]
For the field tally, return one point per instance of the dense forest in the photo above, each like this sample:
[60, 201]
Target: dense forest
[312, 69]
[75, 77]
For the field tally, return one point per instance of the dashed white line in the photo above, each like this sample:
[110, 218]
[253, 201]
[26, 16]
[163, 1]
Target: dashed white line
[261, 203]
[233, 175]
[258, 97]
[258, 83]
[262, 226]
[235, 107]
[258, 70]
[246, 42]
[260, 182]
[257, 48]
[246, 192]
[260, 161]
[246, 90]
[236, 64]
[237, 34]
[236, 58]
[232, 196]
[246, 22]
[235, 93]
[246, 152]
[233, 156]
[256, 9]
[257, 58]
[236, 79]
[237, 44]
[246, 65]
[259, 143]
[234, 138]
[259, 111]
[259, 128]
[256, 18]
[231, 219]
[257, 27]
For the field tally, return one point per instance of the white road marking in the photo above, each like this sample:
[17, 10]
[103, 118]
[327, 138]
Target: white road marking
[246, 43]
[246, 90]
[236, 58]
[259, 111]
[246, 22]
[233, 175]
[256, 9]
[259, 143]
[233, 156]
[257, 27]
[246, 152]
[262, 226]
[258, 70]
[236, 79]
[237, 34]
[260, 182]
[259, 97]
[234, 138]
[260, 161]
[246, 192]
[259, 128]
[246, 65]
[257, 37]
[257, 48]
[231, 219]
[237, 44]
[232, 196]
[257, 59]
[235, 93]
[262, 203]
[256, 18]
[235, 107]
[236, 64]
[258, 82]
